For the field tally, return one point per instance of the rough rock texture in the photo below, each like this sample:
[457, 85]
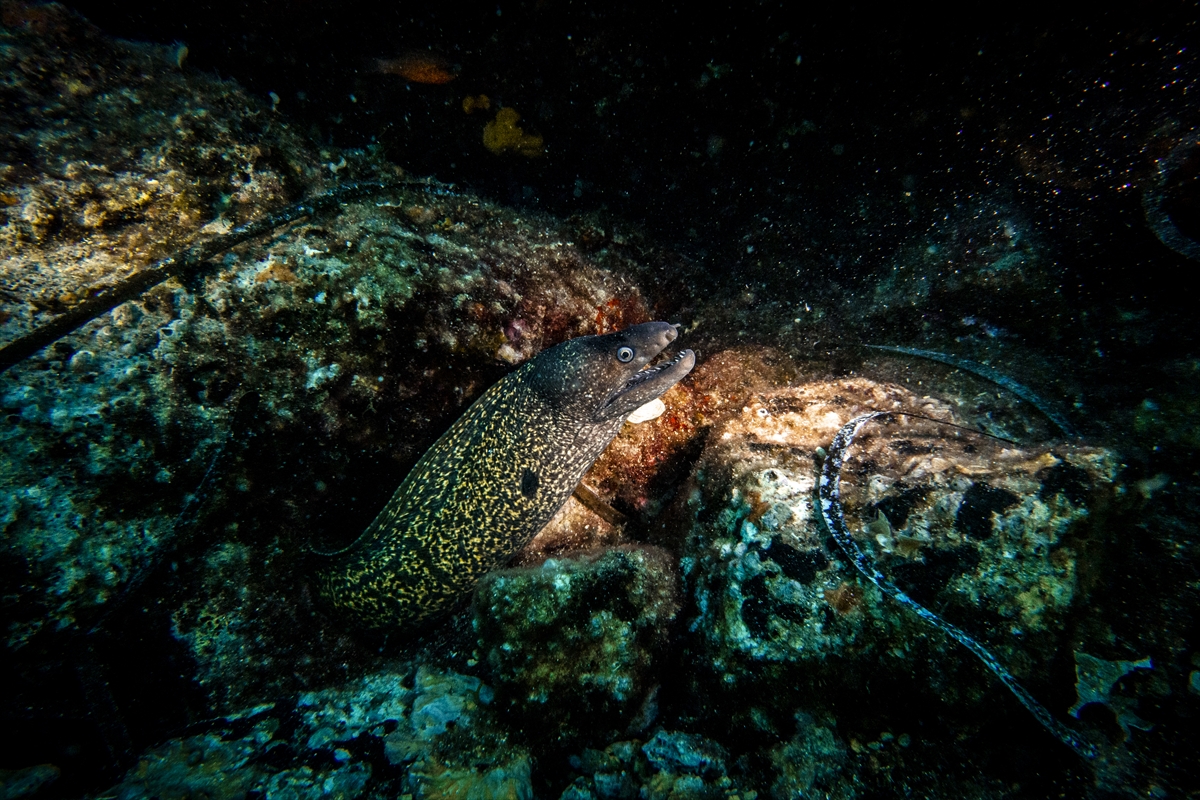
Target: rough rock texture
[672, 764]
[436, 724]
[294, 381]
[812, 760]
[572, 645]
[115, 156]
[452, 746]
[211, 766]
[995, 537]
[115, 153]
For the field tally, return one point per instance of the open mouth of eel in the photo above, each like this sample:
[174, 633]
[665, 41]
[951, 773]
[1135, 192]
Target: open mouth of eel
[648, 372]
[649, 383]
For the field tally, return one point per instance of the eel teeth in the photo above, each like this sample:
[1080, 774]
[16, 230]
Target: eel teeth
[650, 372]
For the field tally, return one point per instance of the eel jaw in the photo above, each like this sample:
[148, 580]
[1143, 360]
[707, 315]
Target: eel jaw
[646, 385]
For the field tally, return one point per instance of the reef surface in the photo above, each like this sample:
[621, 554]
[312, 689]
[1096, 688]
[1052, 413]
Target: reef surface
[174, 470]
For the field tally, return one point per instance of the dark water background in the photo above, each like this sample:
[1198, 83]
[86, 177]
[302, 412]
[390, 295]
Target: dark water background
[847, 128]
[676, 117]
[833, 132]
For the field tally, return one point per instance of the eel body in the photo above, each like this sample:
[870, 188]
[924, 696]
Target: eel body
[498, 475]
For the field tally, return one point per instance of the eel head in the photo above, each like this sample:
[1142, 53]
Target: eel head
[597, 378]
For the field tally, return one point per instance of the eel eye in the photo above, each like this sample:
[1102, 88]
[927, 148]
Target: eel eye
[625, 354]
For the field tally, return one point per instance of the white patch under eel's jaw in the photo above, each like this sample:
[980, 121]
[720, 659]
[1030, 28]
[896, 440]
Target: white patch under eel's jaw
[652, 410]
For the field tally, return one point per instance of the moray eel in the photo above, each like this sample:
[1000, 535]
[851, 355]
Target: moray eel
[492, 481]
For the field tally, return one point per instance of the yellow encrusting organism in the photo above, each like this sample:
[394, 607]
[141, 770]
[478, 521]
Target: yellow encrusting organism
[503, 134]
[473, 103]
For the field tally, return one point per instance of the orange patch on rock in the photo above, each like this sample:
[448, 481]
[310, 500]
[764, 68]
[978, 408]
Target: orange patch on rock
[617, 313]
[275, 272]
[845, 598]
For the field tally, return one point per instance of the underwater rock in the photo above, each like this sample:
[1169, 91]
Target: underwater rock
[496, 778]
[138, 464]
[989, 533]
[341, 783]
[123, 158]
[117, 155]
[984, 266]
[572, 645]
[811, 760]
[365, 705]
[217, 766]
[28, 781]
[1095, 680]
[672, 765]
[206, 764]
[452, 746]
[433, 728]
[684, 752]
